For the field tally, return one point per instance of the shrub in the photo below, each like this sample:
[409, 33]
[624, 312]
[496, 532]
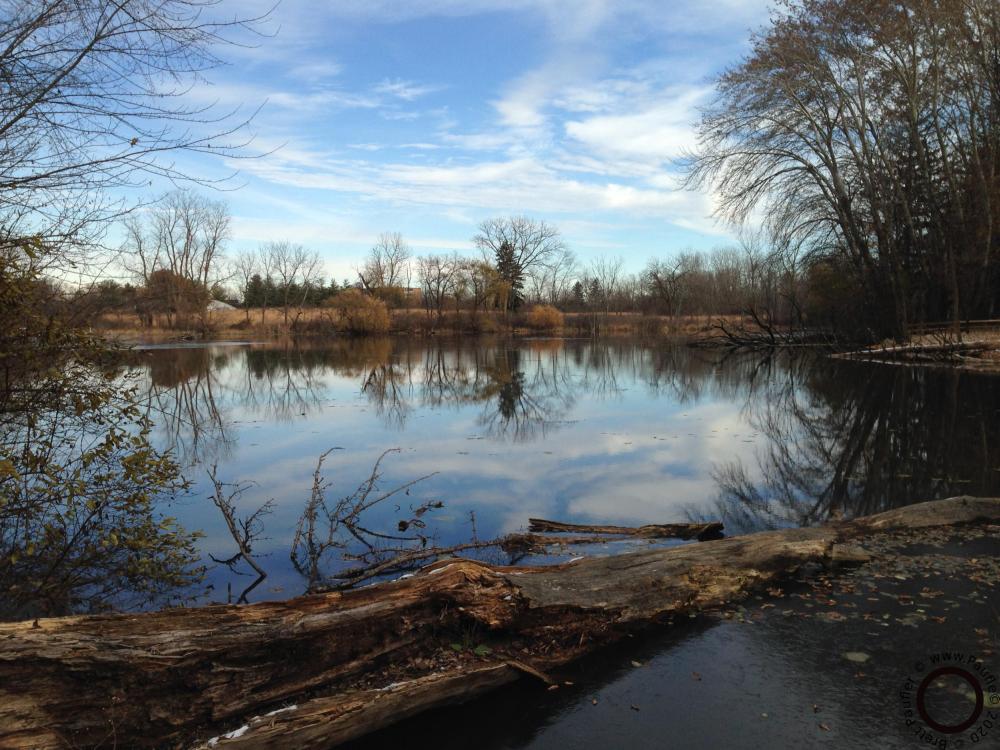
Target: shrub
[393, 296]
[544, 318]
[359, 313]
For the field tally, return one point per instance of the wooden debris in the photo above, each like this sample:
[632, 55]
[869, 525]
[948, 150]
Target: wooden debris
[708, 530]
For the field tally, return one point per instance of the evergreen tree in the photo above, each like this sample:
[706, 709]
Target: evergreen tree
[253, 295]
[511, 271]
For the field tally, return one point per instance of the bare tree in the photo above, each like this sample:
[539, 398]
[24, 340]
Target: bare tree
[243, 268]
[265, 265]
[185, 234]
[665, 280]
[92, 108]
[607, 272]
[558, 275]
[296, 268]
[178, 251]
[437, 276]
[387, 262]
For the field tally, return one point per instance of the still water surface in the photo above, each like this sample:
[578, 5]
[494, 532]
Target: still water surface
[615, 432]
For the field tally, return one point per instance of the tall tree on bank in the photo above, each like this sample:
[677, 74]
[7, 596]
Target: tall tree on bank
[512, 274]
[519, 247]
[867, 133]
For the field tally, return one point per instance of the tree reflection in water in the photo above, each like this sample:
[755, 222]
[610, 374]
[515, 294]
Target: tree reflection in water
[832, 438]
[851, 439]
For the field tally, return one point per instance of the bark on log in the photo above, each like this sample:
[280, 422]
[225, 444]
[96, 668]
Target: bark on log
[652, 531]
[357, 661]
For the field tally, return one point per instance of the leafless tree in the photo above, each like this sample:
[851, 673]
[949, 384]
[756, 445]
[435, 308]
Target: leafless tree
[176, 249]
[92, 107]
[387, 263]
[243, 268]
[296, 268]
[534, 242]
[665, 279]
[265, 266]
[185, 234]
[437, 276]
[608, 273]
[560, 272]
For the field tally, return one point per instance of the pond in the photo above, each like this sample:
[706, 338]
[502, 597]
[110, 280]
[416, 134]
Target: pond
[586, 431]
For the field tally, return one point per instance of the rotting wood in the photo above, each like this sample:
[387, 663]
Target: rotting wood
[707, 530]
[353, 662]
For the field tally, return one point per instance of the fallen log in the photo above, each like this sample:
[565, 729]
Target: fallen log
[652, 531]
[927, 352]
[540, 543]
[353, 662]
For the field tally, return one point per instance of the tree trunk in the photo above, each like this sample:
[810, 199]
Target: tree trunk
[360, 660]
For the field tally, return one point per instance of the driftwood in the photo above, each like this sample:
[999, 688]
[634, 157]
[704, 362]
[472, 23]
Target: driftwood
[651, 531]
[938, 351]
[353, 662]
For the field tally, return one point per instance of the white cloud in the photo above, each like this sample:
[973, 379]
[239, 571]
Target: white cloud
[659, 132]
[405, 90]
[318, 70]
[514, 184]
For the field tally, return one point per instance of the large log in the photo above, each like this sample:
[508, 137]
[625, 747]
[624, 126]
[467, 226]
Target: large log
[708, 530]
[356, 661]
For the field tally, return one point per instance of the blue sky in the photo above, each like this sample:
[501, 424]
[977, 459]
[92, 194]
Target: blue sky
[429, 117]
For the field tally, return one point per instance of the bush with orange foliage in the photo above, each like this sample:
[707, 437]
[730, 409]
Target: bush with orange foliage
[544, 318]
[359, 313]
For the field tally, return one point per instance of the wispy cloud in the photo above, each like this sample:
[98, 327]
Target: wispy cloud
[574, 109]
[405, 90]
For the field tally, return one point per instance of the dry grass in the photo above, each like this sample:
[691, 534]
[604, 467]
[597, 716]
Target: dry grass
[270, 324]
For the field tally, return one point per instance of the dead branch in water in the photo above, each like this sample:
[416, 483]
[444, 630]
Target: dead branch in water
[356, 661]
[245, 531]
[322, 528]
